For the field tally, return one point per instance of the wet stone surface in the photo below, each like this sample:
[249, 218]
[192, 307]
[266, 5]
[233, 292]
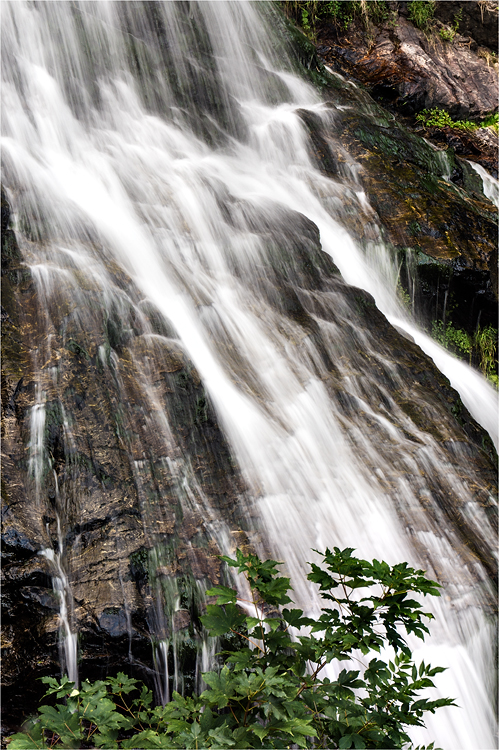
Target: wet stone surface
[132, 476]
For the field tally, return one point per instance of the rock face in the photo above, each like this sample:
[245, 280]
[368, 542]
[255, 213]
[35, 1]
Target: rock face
[429, 203]
[428, 198]
[130, 524]
[412, 70]
[99, 492]
[407, 69]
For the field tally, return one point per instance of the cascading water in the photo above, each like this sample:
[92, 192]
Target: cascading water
[490, 184]
[165, 200]
[69, 653]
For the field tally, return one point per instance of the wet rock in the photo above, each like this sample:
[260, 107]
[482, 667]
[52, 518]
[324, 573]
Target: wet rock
[204, 563]
[480, 145]
[114, 622]
[99, 489]
[181, 619]
[428, 201]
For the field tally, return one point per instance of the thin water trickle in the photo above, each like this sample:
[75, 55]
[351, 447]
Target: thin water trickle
[37, 457]
[161, 664]
[172, 149]
[68, 638]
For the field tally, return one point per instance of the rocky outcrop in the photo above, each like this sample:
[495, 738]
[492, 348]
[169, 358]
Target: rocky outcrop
[407, 69]
[413, 70]
[428, 201]
[427, 197]
[480, 146]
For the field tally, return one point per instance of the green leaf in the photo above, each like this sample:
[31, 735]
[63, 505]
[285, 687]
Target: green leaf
[28, 740]
[346, 741]
[222, 687]
[60, 688]
[148, 739]
[294, 617]
[252, 622]
[225, 595]
[219, 621]
[261, 732]
[358, 742]
[106, 739]
[122, 683]
[221, 737]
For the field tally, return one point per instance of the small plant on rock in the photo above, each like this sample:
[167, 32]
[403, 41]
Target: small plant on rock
[481, 348]
[447, 34]
[492, 121]
[421, 13]
[454, 339]
[486, 342]
[439, 118]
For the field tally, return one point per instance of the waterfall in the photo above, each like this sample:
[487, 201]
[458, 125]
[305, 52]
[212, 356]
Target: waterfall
[164, 197]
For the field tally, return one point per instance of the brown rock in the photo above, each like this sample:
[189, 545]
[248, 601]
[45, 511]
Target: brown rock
[181, 619]
[414, 70]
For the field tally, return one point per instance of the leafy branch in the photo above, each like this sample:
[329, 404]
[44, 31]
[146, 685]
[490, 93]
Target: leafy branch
[273, 695]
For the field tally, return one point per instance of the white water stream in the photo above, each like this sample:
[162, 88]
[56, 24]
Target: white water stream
[490, 184]
[112, 170]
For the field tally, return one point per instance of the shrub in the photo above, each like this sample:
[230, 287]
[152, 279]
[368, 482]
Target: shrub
[264, 695]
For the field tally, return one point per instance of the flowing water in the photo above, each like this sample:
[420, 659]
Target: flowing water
[159, 169]
[490, 184]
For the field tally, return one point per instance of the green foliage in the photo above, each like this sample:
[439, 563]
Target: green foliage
[492, 121]
[454, 339]
[481, 348]
[447, 34]
[458, 17]
[485, 341]
[421, 13]
[268, 694]
[404, 296]
[340, 12]
[439, 118]
[305, 22]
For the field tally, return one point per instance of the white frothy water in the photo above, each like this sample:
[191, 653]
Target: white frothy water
[68, 639]
[490, 184]
[184, 176]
